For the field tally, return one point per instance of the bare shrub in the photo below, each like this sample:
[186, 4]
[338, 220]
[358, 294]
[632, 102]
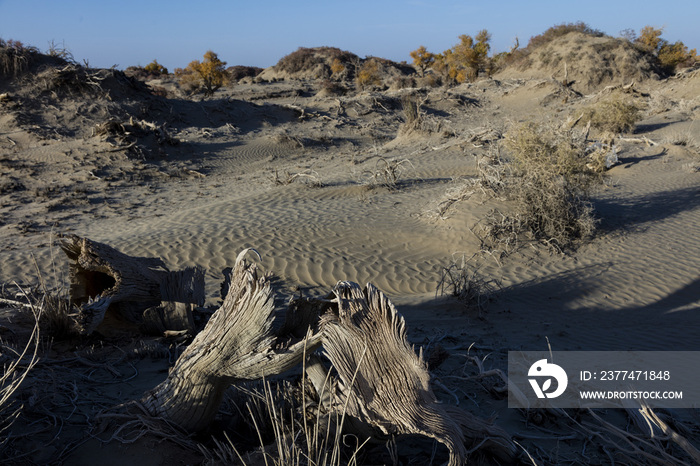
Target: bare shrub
[238, 72]
[332, 88]
[401, 82]
[387, 173]
[309, 177]
[549, 183]
[14, 58]
[430, 80]
[461, 279]
[615, 114]
[306, 59]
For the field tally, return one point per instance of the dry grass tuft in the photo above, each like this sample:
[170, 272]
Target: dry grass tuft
[684, 139]
[290, 427]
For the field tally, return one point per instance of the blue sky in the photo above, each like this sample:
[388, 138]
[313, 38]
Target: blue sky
[259, 33]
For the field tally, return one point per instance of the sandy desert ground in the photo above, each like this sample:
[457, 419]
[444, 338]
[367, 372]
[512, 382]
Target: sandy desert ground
[278, 167]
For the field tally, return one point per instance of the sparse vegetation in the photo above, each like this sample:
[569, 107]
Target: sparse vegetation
[387, 172]
[306, 59]
[549, 182]
[461, 279]
[14, 57]
[368, 74]
[155, 69]
[614, 114]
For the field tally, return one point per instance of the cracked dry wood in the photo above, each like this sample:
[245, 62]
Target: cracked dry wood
[387, 386]
[238, 343]
[103, 279]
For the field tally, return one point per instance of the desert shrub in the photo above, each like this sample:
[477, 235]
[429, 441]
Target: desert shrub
[14, 57]
[155, 69]
[673, 56]
[16, 365]
[208, 75]
[304, 58]
[422, 59]
[429, 80]
[462, 280]
[60, 52]
[615, 114]
[368, 74]
[238, 72]
[332, 88]
[401, 82]
[684, 139]
[560, 30]
[548, 180]
[386, 173]
[337, 66]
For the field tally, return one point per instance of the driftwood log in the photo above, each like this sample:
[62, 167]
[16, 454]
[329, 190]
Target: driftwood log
[242, 341]
[384, 386]
[381, 389]
[139, 289]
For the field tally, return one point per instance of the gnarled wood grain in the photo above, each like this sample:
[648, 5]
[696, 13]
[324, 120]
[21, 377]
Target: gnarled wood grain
[238, 343]
[385, 386]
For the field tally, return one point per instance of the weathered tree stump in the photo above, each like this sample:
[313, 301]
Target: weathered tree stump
[243, 340]
[104, 279]
[384, 387]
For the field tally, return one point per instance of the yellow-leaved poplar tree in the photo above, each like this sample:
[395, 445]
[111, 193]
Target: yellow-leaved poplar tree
[210, 73]
[468, 57]
[422, 59]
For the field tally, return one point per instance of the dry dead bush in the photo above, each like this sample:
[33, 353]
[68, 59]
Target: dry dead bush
[549, 183]
[308, 177]
[461, 279]
[615, 114]
[387, 173]
[14, 58]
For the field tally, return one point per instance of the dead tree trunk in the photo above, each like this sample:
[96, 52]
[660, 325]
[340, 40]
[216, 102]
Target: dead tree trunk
[385, 387]
[238, 343]
[103, 279]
